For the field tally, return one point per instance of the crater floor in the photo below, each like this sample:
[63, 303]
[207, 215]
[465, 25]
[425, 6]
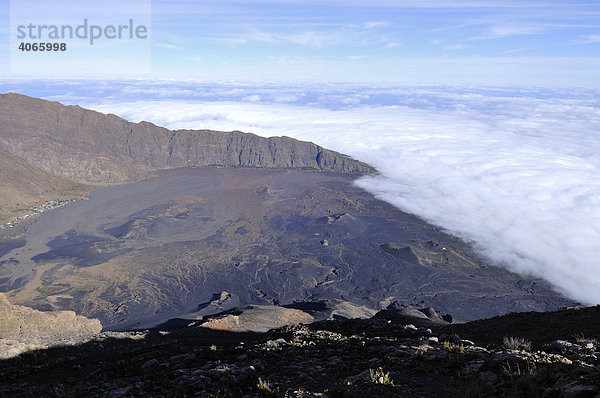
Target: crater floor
[139, 254]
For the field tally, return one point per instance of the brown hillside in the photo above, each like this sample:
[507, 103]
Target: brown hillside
[22, 185]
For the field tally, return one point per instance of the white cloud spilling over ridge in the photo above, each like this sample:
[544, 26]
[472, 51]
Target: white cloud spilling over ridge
[518, 176]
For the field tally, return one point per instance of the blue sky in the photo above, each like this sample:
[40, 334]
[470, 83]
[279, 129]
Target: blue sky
[540, 43]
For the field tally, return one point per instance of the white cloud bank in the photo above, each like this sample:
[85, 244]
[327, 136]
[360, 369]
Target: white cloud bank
[519, 176]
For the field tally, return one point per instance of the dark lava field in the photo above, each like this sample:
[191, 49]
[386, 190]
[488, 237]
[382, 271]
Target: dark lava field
[139, 254]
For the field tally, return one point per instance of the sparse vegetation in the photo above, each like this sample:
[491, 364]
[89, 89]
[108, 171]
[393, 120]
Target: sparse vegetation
[86, 289]
[379, 376]
[264, 388]
[520, 381]
[580, 338]
[52, 289]
[418, 354]
[518, 370]
[517, 343]
[454, 347]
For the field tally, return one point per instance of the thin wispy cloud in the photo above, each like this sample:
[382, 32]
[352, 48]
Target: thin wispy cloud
[230, 41]
[588, 39]
[170, 46]
[502, 31]
[453, 47]
[195, 58]
[376, 24]
[317, 38]
[516, 51]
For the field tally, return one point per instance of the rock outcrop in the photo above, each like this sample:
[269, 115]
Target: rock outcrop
[88, 146]
[257, 318]
[23, 328]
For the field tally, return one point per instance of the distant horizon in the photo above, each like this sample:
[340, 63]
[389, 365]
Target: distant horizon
[374, 84]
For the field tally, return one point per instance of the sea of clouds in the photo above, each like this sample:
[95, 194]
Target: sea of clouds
[514, 171]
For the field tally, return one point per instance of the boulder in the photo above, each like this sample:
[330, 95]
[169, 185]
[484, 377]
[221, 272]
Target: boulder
[257, 318]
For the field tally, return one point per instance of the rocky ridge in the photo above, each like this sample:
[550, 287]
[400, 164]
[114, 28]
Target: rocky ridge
[87, 146]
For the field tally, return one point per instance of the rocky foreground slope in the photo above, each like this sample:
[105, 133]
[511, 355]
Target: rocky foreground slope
[397, 353]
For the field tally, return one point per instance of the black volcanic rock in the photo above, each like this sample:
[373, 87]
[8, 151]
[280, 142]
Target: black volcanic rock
[538, 327]
[419, 317]
[351, 358]
[86, 146]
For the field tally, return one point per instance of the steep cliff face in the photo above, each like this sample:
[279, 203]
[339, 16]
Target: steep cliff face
[86, 146]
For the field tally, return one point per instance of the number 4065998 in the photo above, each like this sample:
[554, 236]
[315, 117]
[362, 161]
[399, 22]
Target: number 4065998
[43, 47]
